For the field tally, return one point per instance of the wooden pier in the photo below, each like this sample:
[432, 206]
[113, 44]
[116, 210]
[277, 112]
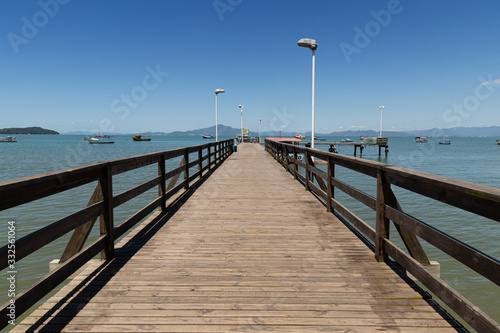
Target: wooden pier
[381, 143]
[244, 248]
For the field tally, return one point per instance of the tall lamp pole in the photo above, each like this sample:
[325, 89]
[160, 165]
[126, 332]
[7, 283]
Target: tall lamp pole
[381, 107]
[313, 45]
[260, 123]
[217, 91]
[241, 112]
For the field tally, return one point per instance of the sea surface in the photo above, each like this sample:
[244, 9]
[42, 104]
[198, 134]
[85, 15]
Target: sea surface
[475, 160]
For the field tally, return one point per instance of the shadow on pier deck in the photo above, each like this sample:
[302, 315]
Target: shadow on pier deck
[245, 250]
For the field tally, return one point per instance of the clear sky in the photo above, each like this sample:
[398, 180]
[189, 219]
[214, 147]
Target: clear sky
[136, 66]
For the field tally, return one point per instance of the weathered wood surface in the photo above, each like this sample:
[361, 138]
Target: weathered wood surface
[249, 251]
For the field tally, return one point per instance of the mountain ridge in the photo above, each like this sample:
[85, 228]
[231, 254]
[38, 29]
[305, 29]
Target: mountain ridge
[491, 131]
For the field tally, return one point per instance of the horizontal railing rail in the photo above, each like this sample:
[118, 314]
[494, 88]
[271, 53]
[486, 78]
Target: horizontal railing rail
[478, 199]
[18, 192]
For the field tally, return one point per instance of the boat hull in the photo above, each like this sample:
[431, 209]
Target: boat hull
[421, 139]
[8, 139]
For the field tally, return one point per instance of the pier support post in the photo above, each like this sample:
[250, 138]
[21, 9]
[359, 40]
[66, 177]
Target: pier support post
[286, 160]
[382, 224]
[208, 160]
[308, 178]
[295, 165]
[186, 170]
[330, 189]
[200, 162]
[106, 219]
[162, 186]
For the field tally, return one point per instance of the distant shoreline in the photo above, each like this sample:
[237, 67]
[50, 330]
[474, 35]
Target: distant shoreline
[27, 130]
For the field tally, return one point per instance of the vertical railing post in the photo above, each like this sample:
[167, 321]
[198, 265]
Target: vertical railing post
[200, 161]
[220, 151]
[307, 169]
[330, 189]
[286, 159]
[208, 155]
[186, 169]
[217, 153]
[281, 152]
[162, 186]
[295, 165]
[106, 220]
[382, 226]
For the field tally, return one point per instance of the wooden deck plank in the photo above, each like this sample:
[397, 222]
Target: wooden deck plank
[250, 250]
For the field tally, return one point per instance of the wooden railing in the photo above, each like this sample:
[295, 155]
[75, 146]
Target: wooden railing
[478, 199]
[102, 203]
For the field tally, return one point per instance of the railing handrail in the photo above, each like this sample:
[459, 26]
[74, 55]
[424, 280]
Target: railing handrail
[479, 199]
[24, 190]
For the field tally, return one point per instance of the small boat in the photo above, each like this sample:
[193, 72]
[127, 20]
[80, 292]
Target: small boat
[421, 139]
[498, 142]
[444, 142]
[317, 138]
[346, 140]
[141, 138]
[98, 139]
[8, 139]
[208, 136]
[298, 136]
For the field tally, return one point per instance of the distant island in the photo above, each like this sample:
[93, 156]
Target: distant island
[27, 130]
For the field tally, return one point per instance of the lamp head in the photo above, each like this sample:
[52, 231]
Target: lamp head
[240, 106]
[381, 107]
[309, 43]
[219, 91]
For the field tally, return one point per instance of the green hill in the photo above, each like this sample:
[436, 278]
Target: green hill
[27, 130]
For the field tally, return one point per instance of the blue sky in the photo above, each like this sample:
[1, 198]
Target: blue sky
[136, 66]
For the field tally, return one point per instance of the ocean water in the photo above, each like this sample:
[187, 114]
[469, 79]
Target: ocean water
[475, 160]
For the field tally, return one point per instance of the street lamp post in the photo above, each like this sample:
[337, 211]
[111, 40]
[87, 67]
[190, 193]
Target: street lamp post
[381, 108]
[241, 112]
[260, 123]
[217, 91]
[313, 45]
